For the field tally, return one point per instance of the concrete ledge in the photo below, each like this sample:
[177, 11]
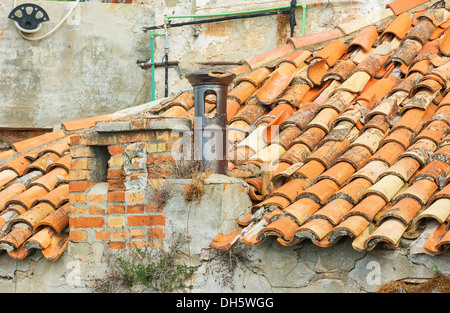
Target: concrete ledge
[144, 123]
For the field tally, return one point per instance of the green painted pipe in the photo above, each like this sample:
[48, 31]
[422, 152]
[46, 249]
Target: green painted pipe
[167, 18]
[303, 5]
[152, 51]
[303, 18]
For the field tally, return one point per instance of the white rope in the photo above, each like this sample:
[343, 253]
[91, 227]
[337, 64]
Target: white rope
[22, 31]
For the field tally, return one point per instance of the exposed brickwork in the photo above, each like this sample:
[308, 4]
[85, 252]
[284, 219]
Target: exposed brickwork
[118, 207]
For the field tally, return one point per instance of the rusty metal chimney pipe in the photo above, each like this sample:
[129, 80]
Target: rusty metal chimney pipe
[210, 140]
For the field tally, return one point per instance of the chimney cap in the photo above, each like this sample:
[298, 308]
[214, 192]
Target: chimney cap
[210, 75]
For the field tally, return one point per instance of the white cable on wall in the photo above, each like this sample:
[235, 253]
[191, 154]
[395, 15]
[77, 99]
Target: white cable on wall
[22, 31]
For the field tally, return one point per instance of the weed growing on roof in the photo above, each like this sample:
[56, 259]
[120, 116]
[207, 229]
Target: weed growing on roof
[186, 169]
[194, 170]
[435, 269]
[160, 270]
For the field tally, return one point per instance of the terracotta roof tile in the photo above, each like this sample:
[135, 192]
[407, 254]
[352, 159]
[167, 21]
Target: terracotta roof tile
[371, 171]
[291, 190]
[283, 227]
[353, 191]
[49, 180]
[400, 6]
[331, 52]
[341, 71]
[6, 154]
[302, 209]
[26, 198]
[401, 136]
[279, 79]
[311, 136]
[316, 229]
[33, 215]
[60, 147]
[88, 122]
[311, 39]
[57, 220]
[388, 233]
[352, 226]
[38, 141]
[6, 176]
[43, 162]
[421, 190]
[338, 173]
[364, 39]
[420, 151]
[320, 191]
[436, 16]
[15, 238]
[57, 197]
[34, 198]
[269, 56]
[399, 26]
[225, 242]
[18, 165]
[310, 170]
[434, 170]
[368, 207]
[317, 71]
[63, 162]
[329, 152]
[57, 247]
[40, 240]
[334, 211]
[444, 47]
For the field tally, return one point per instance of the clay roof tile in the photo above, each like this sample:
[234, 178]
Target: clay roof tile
[399, 26]
[310, 39]
[365, 39]
[38, 141]
[400, 6]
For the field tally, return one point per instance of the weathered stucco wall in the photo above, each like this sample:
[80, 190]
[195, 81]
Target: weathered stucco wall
[267, 268]
[89, 66]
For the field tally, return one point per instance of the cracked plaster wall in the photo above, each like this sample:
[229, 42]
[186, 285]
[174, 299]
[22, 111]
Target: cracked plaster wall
[267, 268]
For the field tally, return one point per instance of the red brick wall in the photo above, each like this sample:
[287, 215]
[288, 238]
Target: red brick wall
[120, 210]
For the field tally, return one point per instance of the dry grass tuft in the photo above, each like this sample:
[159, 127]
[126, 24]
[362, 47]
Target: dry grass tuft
[187, 169]
[196, 189]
